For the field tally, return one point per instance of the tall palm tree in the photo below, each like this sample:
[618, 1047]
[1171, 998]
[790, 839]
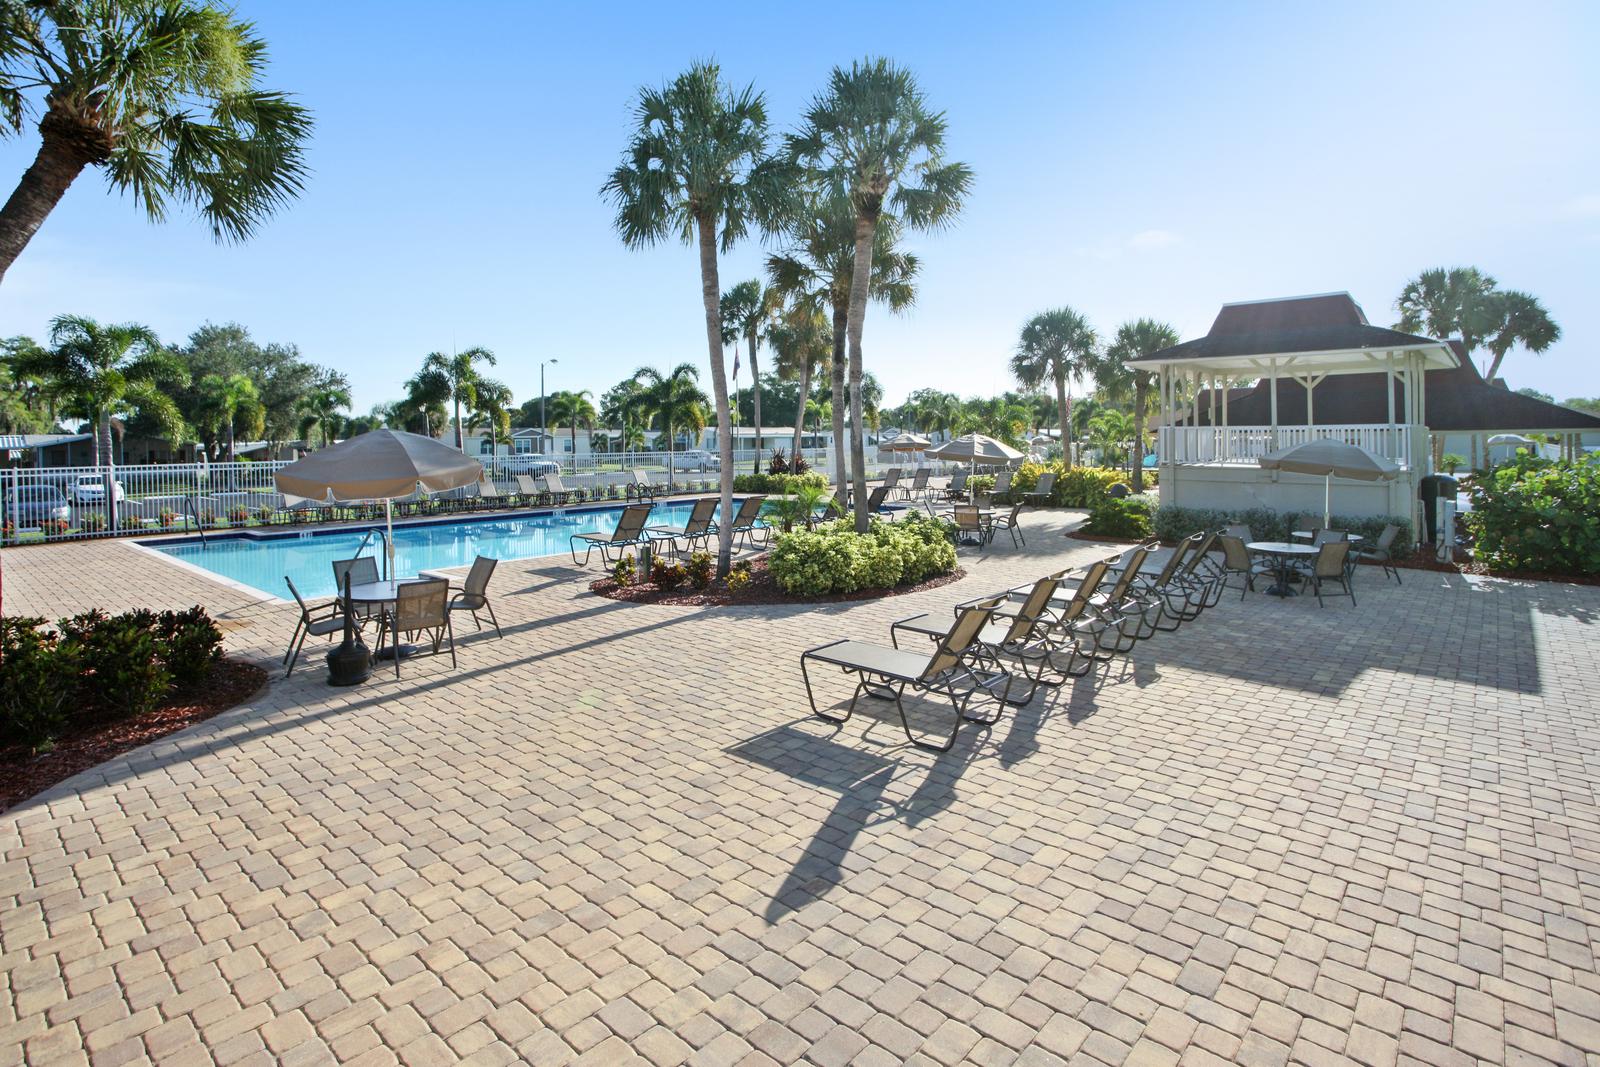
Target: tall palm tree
[1056, 346]
[677, 402]
[818, 265]
[874, 136]
[1110, 429]
[1127, 382]
[165, 98]
[696, 168]
[230, 401]
[98, 371]
[320, 410]
[745, 309]
[802, 344]
[427, 393]
[460, 371]
[577, 410]
[620, 406]
[491, 409]
[1467, 302]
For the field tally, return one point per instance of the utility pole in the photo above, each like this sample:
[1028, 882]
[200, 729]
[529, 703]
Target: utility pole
[542, 431]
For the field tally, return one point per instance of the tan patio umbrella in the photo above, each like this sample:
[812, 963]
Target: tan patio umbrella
[975, 448]
[1330, 459]
[906, 442]
[381, 465]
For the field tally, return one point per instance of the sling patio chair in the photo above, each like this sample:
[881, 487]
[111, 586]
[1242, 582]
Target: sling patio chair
[918, 486]
[1072, 606]
[697, 528]
[420, 608]
[630, 533]
[489, 494]
[1236, 559]
[1002, 486]
[891, 478]
[314, 622]
[528, 489]
[1120, 605]
[1011, 524]
[1040, 497]
[1333, 563]
[1198, 583]
[957, 487]
[560, 495]
[747, 522]
[1382, 552]
[971, 526]
[473, 595]
[639, 487]
[1165, 593]
[1239, 530]
[875, 501]
[885, 672]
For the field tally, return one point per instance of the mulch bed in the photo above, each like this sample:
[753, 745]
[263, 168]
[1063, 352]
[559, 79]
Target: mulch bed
[762, 588]
[23, 774]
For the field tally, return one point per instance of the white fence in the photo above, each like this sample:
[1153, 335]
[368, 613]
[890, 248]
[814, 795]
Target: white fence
[67, 503]
[1243, 444]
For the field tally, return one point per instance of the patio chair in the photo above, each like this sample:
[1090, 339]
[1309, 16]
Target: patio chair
[1072, 607]
[313, 622]
[957, 489]
[918, 486]
[560, 495]
[747, 522]
[1239, 530]
[1333, 563]
[1167, 591]
[1382, 551]
[473, 595]
[1312, 524]
[363, 570]
[885, 672]
[630, 532]
[1236, 559]
[970, 525]
[639, 487]
[697, 529]
[875, 501]
[1042, 492]
[1002, 485]
[421, 608]
[891, 478]
[1011, 524]
[1200, 579]
[489, 495]
[1120, 605]
[528, 489]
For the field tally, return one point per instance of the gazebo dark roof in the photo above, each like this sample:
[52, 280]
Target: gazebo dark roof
[1457, 400]
[1331, 322]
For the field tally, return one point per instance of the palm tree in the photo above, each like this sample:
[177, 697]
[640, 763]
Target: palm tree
[696, 168]
[1127, 382]
[320, 410]
[1467, 302]
[800, 340]
[164, 98]
[1110, 429]
[233, 400]
[99, 371]
[744, 309]
[620, 407]
[460, 373]
[1056, 346]
[677, 402]
[873, 135]
[577, 410]
[491, 409]
[427, 393]
[818, 266]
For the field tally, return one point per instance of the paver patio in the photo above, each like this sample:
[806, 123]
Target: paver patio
[1365, 834]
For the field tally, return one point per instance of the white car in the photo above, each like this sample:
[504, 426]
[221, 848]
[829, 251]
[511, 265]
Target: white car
[91, 489]
[695, 460]
[527, 463]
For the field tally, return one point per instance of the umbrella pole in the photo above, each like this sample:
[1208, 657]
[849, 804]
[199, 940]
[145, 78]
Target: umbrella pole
[388, 538]
[1327, 501]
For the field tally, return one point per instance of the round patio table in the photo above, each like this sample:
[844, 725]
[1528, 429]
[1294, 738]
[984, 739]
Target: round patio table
[381, 595]
[1283, 552]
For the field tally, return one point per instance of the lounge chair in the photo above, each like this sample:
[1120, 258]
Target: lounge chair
[697, 529]
[473, 595]
[885, 672]
[875, 501]
[745, 522]
[560, 495]
[528, 489]
[1002, 486]
[489, 495]
[1381, 552]
[314, 622]
[630, 532]
[918, 486]
[1157, 589]
[891, 478]
[639, 488]
[1121, 605]
[957, 488]
[420, 608]
[1042, 492]
[1236, 559]
[1075, 616]
[1010, 522]
[971, 527]
[1333, 563]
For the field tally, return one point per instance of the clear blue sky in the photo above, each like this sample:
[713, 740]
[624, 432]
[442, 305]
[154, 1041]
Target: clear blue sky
[1131, 160]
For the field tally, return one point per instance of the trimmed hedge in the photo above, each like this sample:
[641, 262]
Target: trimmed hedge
[1172, 523]
[1076, 487]
[833, 558]
[777, 484]
[1538, 514]
[1128, 517]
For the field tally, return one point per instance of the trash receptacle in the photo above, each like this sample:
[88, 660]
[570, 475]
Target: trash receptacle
[1432, 489]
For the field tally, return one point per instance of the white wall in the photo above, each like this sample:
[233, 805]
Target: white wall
[1231, 488]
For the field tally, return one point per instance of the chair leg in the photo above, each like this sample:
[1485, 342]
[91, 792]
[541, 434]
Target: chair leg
[492, 619]
[450, 634]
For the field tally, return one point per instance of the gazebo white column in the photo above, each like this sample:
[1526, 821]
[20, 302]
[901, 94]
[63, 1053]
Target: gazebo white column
[1273, 370]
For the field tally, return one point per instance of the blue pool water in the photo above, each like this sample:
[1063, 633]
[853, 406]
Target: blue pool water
[261, 562]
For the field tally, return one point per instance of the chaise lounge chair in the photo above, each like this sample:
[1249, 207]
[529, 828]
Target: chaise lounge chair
[558, 494]
[745, 522]
[630, 532]
[1043, 490]
[885, 673]
[697, 529]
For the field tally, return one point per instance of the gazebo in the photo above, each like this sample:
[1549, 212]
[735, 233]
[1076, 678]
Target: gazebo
[1208, 457]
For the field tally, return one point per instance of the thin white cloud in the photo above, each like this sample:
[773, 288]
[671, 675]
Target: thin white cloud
[1145, 240]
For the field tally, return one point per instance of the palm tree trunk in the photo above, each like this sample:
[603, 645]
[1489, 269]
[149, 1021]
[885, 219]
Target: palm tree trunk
[1064, 413]
[755, 399]
[800, 409]
[860, 279]
[461, 443]
[230, 441]
[1138, 432]
[840, 329]
[58, 162]
[710, 293]
[102, 440]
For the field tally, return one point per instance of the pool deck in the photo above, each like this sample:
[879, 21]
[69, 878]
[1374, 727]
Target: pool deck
[1366, 834]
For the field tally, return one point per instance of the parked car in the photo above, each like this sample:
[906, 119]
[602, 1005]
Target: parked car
[527, 463]
[91, 489]
[695, 460]
[31, 505]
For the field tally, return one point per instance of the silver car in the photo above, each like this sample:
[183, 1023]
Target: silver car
[91, 489]
[695, 460]
[31, 505]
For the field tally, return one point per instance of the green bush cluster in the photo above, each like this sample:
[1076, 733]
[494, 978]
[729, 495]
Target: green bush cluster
[833, 558]
[1538, 514]
[1129, 517]
[1076, 487]
[95, 667]
[1173, 523]
[777, 484]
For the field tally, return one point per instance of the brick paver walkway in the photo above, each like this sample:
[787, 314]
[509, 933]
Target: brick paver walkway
[1364, 835]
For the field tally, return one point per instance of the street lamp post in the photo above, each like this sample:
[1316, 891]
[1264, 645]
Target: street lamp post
[542, 432]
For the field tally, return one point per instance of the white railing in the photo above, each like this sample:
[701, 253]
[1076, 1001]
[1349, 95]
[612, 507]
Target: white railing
[1244, 444]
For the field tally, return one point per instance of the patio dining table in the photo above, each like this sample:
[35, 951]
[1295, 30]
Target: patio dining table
[1283, 552]
[382, 595]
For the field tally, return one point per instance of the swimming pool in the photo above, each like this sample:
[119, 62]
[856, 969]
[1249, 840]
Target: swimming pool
[261, 560]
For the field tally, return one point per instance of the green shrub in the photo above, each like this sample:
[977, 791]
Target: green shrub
[667, 576]
[37, 683]
[190, 644]
[92, 522]
[1173, 523]
[624, 570]
[836, 559]
[1076, 487]
[1538, 514]
[1128, 517]
[699, 570]
[777, 484]
[122, 671]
